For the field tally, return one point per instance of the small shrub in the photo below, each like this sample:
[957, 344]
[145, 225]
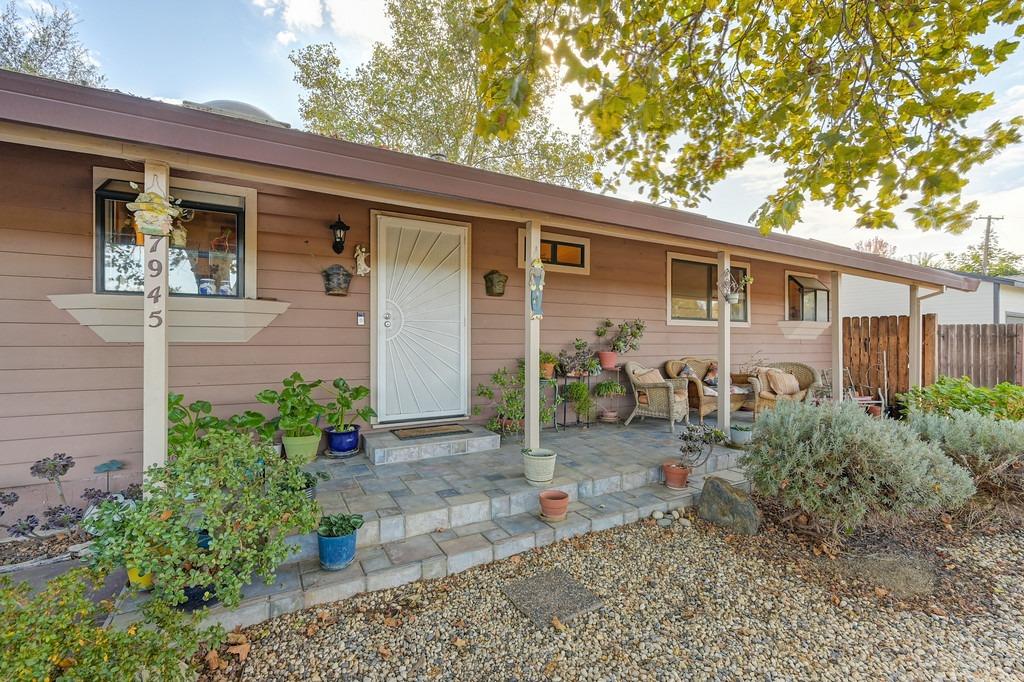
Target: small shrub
[56, 634]
[991, 449]
[506, 395]
[1005, 401]
[835, 464]
[339, 525]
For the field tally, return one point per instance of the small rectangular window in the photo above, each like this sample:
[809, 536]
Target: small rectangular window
[808, 299]
[560, 252]
[205, 260]
[693, 291]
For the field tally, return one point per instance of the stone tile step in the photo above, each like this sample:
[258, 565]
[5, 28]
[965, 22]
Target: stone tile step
[441, 553]
[384, 447]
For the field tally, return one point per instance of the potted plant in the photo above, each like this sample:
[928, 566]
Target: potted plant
[554, 505]
[698, 442]
[626, 339]
[607, 358]
[341, 413]
[336, 540]
[732, 286]
[310, 479]
[548, 362]
[580, 361]
[577, 394]
[539, 465]
[506, 396]
[298, 415]
[609, 388]
[740, 434]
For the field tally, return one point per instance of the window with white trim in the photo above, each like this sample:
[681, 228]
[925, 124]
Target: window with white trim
[559, 252]
[693, 290]
[806, 298]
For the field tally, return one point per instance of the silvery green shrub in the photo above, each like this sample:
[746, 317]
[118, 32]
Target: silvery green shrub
[836, 464]
[991, 449]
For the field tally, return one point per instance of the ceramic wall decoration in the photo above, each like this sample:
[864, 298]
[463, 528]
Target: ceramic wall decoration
[494, 283]
[154, 212]
[361, 254]
[536, 289]
[336, 280]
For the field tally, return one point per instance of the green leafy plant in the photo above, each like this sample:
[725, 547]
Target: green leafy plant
[602, 328]
[627, 339]
[991, 449]
[1004, 401]
[832, 465]
[547, 358]
[339, 525]
[57, 634]
[697, 443]
[189, 423]
[609, 388]
[579, 361]
[338, 411]
[577, 394]
[505, 395]
[234, 489]
[298, 412]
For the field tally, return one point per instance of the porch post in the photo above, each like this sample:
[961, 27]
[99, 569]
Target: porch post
[154, 331]
[914, 346]
[724, 347]
[531, 436]
[837, 337]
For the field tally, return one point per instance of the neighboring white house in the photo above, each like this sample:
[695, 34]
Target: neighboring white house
[997, 300]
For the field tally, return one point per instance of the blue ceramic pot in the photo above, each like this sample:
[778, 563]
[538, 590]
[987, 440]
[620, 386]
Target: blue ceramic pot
[336, 553]
[343, 442]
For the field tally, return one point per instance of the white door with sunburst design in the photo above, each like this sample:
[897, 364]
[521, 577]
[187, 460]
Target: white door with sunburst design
[422, 319]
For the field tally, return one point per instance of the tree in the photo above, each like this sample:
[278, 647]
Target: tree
[877, 246]
[862, 103]
[46, 43]
[419, 95]
[1001, 262]
[925, 259]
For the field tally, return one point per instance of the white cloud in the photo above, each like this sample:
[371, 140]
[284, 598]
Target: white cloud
[286, 37]
[361, 20]
[298, 15]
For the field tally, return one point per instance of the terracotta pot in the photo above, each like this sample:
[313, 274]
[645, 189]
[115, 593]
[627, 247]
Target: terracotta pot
[676, 475]
[608, 358]
[554, 504]
[875, 410]
[609, 416]
[547, 370]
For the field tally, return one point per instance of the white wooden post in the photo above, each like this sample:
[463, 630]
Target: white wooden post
[837, 337]
[154, 335]
[531, 438]
[724, 347]
[914, 346]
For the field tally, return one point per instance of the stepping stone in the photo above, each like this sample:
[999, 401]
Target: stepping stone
[551, 594]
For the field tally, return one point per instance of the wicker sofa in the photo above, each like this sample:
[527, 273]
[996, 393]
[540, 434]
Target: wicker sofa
[807, 377]
[665, 400]
[703, 404]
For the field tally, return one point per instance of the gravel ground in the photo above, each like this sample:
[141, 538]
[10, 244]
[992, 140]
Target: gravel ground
[678, 603]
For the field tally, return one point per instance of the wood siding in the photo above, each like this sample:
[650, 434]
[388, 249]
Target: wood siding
[62, 389]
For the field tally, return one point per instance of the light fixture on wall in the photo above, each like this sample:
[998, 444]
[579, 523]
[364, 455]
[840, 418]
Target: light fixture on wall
[338, 228]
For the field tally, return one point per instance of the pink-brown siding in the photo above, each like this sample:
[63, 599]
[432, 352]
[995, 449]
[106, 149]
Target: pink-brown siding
[63, 389]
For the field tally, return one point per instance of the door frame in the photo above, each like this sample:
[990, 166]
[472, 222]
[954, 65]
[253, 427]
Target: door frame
[467, 288]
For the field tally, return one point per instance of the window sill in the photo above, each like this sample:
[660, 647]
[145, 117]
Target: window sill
[673, 322]
[117, 318]
[800, 329]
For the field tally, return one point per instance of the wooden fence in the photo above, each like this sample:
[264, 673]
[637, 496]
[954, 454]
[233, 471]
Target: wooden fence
[876, 352]
[987, 353]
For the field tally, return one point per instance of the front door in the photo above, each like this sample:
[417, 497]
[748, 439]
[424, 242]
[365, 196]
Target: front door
[422, 326]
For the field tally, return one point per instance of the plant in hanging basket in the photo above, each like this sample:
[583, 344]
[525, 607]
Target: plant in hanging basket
[154, 213]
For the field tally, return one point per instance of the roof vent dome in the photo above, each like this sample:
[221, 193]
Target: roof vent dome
[236, 109]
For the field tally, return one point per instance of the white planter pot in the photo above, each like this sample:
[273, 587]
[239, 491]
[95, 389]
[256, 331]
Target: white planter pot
[740, 437]
[539, 466]
[732, 298]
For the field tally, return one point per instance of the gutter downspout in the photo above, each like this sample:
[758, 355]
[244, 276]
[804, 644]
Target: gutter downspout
[995, 302]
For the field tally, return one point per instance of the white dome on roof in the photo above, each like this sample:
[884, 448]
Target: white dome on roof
[233, 107]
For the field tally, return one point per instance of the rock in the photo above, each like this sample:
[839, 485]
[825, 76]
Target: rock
[685, 523]
[81, 548]
[726, 505]
[658, 514]
[675, 514]
[664, 523]
[903, 575]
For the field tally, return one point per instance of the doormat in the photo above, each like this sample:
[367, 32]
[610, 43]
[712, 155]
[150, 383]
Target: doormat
[549, 595]
[428, 431]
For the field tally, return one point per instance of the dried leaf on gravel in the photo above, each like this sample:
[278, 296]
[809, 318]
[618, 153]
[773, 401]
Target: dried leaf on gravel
[460, 643]
[392, 622]
[237, 638]
[213, 659]
[312, 629]
[384, 652]
[240, 650]
[881, 592]
[557, 624]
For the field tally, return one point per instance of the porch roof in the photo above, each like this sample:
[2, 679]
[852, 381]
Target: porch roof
[42, 102]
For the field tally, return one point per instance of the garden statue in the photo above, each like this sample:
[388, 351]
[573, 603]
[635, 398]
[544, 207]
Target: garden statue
[361, 254]
[536, 289]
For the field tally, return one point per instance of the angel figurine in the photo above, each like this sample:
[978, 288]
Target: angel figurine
[536, 289]
[361, 254]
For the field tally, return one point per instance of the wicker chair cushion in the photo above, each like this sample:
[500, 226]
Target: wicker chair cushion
[768, 395]
[651, 376]
[643, 400]
[783, 383]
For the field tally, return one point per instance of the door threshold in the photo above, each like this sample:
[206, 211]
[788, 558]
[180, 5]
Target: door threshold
[387, 426]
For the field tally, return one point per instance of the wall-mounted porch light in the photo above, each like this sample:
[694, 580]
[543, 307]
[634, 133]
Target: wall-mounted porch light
[338, 228]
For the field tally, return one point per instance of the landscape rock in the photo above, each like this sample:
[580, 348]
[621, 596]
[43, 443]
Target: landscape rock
[723, 504]
[658, 514]
[664, 522]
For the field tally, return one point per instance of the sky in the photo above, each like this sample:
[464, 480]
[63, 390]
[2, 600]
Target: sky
[238, 49]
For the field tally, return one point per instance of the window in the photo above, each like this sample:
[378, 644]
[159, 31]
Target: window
[693, 290]
[806, 298]
[560, 252]
[207, 261]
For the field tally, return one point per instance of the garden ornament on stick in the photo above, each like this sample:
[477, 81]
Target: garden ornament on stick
[536, 289]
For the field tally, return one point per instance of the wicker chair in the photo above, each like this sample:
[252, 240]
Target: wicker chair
[808, 378]
[704, 404]
[666, 400]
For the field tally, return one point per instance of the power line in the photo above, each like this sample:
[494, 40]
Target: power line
[988, 237]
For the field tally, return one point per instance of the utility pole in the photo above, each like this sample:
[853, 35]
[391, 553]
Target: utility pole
[988, 237]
